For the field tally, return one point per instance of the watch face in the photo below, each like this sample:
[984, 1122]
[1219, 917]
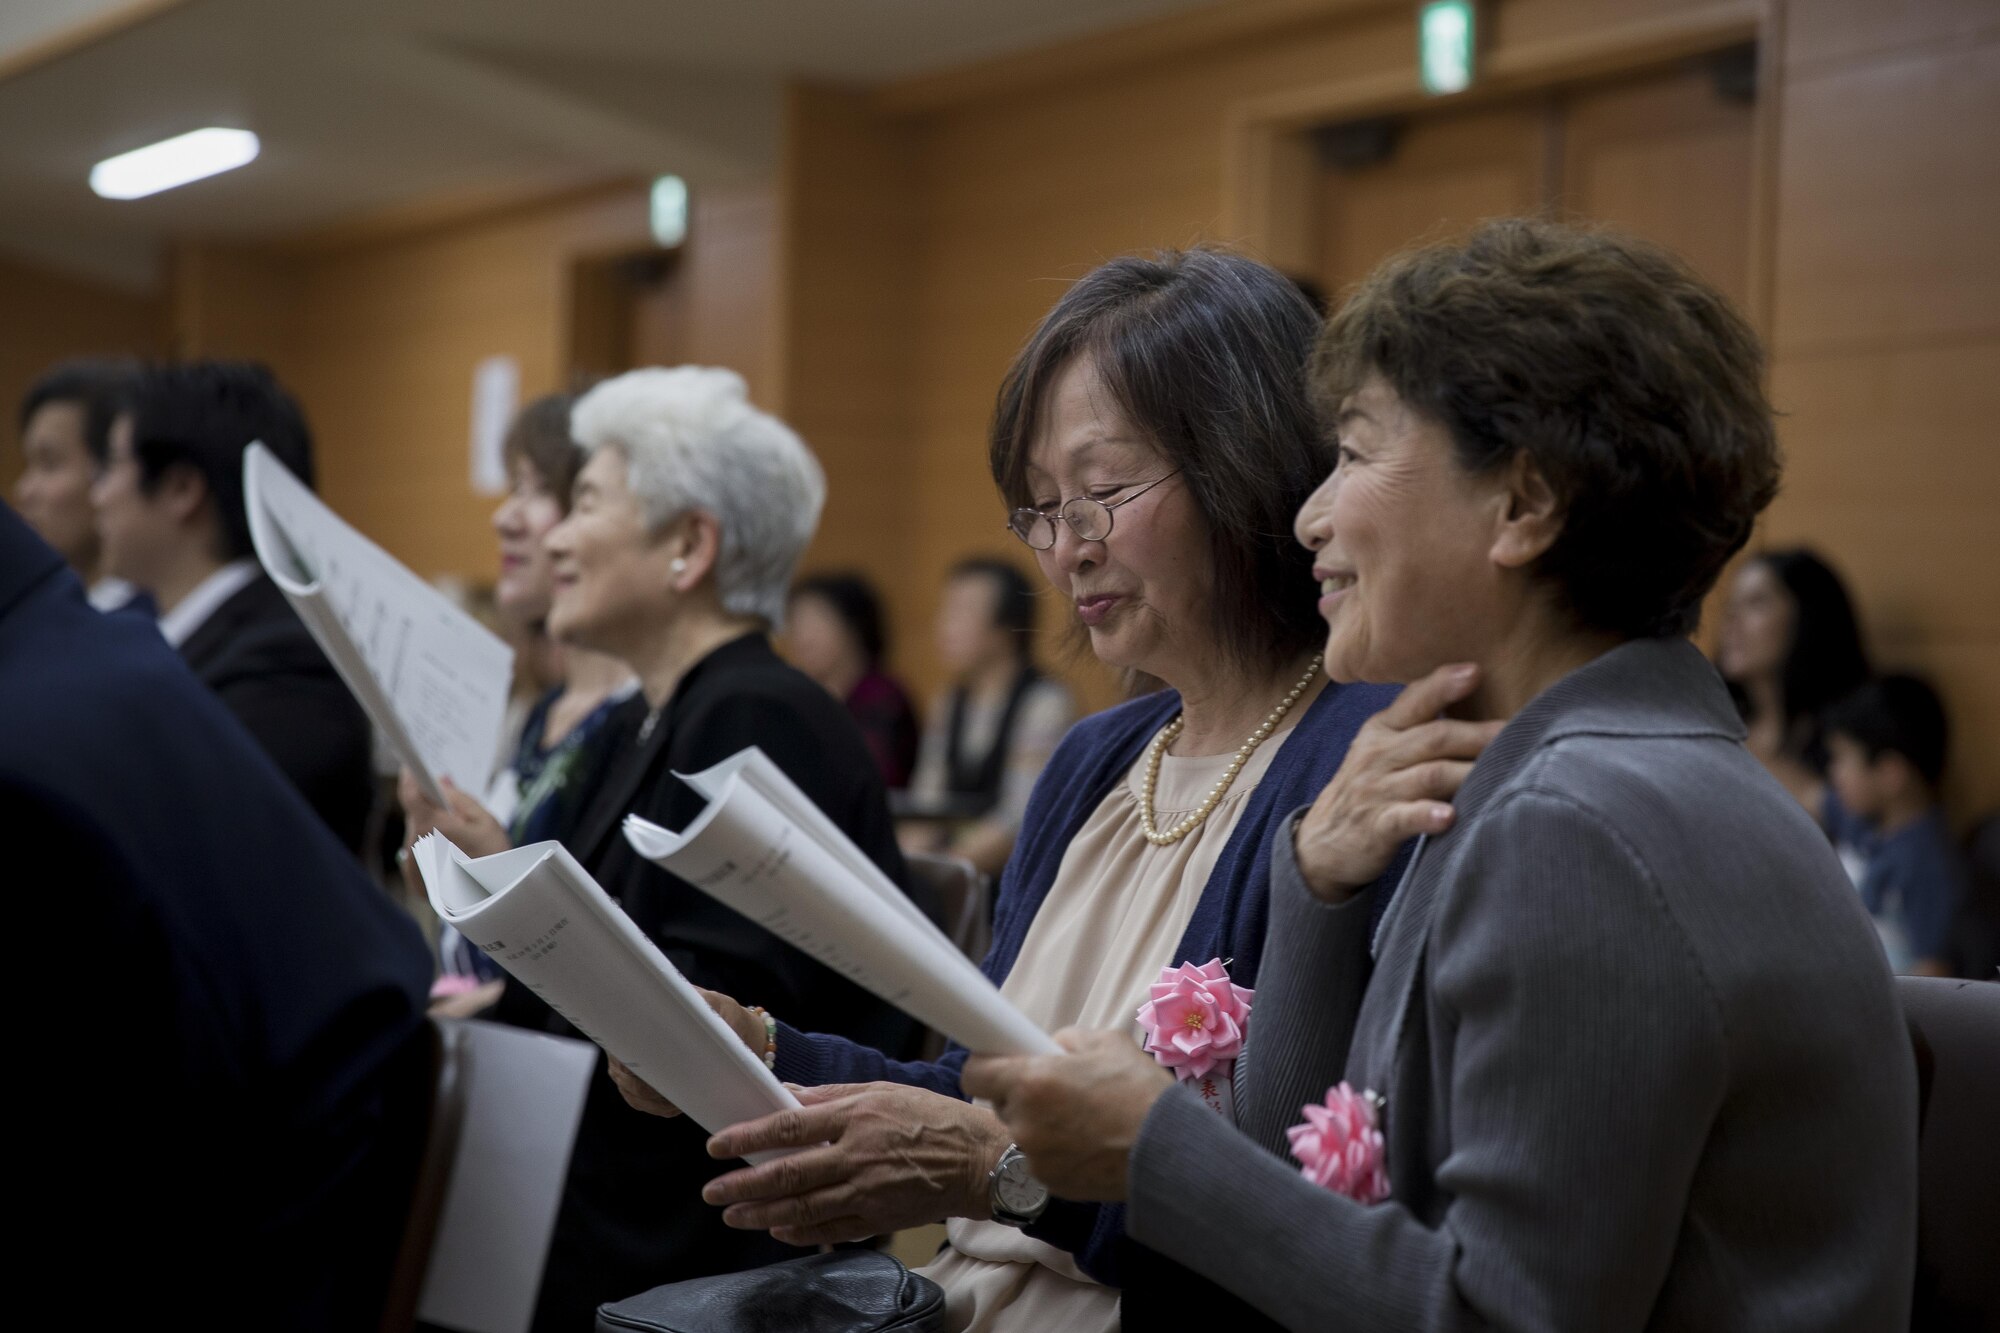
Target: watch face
[1017, 1191]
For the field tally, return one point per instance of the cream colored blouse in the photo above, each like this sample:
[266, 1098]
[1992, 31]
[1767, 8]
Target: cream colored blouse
[1113, 916]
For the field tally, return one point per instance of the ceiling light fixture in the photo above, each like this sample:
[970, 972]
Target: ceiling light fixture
[170, 162]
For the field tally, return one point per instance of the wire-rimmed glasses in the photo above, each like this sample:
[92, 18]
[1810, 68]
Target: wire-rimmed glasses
[1088, 518]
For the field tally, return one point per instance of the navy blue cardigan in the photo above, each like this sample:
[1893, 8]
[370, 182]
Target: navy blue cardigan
[1228, 921]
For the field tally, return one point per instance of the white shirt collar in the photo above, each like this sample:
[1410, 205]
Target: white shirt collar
[108, 594]
[193, 610]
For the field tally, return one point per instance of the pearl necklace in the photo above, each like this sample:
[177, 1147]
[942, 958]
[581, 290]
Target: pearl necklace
[1167, 736]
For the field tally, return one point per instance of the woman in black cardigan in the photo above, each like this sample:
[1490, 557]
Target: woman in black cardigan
[685, 527]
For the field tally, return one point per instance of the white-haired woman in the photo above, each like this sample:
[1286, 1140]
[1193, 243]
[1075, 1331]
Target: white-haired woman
[684, 528]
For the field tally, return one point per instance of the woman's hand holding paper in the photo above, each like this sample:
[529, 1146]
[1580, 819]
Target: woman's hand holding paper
[1075, 1115]
[877, 1157]
[466, 822]
[640, 1095]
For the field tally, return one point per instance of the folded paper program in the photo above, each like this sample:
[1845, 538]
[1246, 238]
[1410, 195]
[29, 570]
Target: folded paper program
[431, 677]
[541, 916]
[763, 848]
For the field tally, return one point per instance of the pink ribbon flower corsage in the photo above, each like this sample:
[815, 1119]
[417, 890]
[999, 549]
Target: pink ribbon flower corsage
[1195, 1024]
[1340, 1147]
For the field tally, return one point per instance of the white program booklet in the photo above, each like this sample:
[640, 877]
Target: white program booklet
[541, 916]
[430, 676]
[523, 1096]
[762, 847]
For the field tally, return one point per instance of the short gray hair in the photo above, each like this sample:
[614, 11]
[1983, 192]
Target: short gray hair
[691, 440]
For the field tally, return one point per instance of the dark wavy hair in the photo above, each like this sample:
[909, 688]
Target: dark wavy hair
[202, 415]
[1013, 596]
[855, 603]
[102, 387]
[540, 435]
[1631, 383]
[1898, 714]
[1205, 354]
[1825, 660]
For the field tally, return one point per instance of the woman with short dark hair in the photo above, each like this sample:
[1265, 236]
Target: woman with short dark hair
[1154, 438]
[1620, 1051]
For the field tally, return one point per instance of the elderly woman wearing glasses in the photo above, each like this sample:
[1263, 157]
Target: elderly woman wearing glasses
[1621, 1051]
[1155, 437]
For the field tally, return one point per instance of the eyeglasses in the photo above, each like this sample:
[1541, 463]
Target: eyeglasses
[1089, 519]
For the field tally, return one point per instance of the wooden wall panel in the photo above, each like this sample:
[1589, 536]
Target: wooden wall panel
[1889, 178]
[1818, 31]
[1447, 174]
[849, 230]
[379, 337]
[1666, 158]
[48, 317]
[1887, 342]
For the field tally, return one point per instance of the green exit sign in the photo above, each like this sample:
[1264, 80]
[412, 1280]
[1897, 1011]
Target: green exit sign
[1447, 37]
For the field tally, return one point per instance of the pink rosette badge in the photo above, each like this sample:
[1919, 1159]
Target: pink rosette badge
[1340, 1146]
[1195, 1025]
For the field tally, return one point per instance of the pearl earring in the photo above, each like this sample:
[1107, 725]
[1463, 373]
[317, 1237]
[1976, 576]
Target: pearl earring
[679, 566]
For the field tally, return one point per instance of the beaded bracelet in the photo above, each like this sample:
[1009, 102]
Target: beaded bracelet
[770, 1036]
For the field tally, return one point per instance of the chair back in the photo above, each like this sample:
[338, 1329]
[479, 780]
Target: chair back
[966, 896]
[1955, 1028]
[433, 1173]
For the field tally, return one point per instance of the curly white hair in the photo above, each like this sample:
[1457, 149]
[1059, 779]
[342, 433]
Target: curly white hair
[691, 440]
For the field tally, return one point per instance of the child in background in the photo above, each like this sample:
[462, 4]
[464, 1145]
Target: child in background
[1886, 753]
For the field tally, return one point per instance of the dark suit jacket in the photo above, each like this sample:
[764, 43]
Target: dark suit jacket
[217, 1079]
[261, 660]
[632, 1216]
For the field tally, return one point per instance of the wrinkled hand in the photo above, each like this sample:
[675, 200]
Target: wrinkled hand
[640, 1095]
[877, 1157]
[471, 828]
[1075, 1115]
[1403, 768]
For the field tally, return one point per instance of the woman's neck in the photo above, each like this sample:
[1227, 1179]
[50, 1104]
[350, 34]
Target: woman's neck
[1222, 705]
[1541, 646]
[592, 677]
[665, 655]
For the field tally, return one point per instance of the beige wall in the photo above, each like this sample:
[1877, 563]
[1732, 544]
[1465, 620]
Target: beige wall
[1886, 337]
[379, 336]
[49, 317]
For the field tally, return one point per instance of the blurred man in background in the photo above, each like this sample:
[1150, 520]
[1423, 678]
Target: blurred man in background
[171, 517]
[65, 421]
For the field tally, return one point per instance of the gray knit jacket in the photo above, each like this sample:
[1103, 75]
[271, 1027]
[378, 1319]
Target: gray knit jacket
[1643, 1061]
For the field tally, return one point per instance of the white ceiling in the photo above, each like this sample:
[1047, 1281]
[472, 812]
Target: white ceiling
[370, 104]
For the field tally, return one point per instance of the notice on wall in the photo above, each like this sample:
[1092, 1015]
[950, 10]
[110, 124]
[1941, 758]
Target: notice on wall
[496, 396]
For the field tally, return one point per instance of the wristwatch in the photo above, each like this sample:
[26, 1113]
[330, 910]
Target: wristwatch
[1018, 1198]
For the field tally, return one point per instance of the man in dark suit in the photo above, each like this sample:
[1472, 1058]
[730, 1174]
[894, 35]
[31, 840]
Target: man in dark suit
[224, 1079]
[170, 513]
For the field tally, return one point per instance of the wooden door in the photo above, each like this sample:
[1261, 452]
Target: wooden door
[1667, 158]
[1665, 155]
[1442, 174]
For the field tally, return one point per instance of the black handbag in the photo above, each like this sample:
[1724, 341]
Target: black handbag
[847, 1291]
